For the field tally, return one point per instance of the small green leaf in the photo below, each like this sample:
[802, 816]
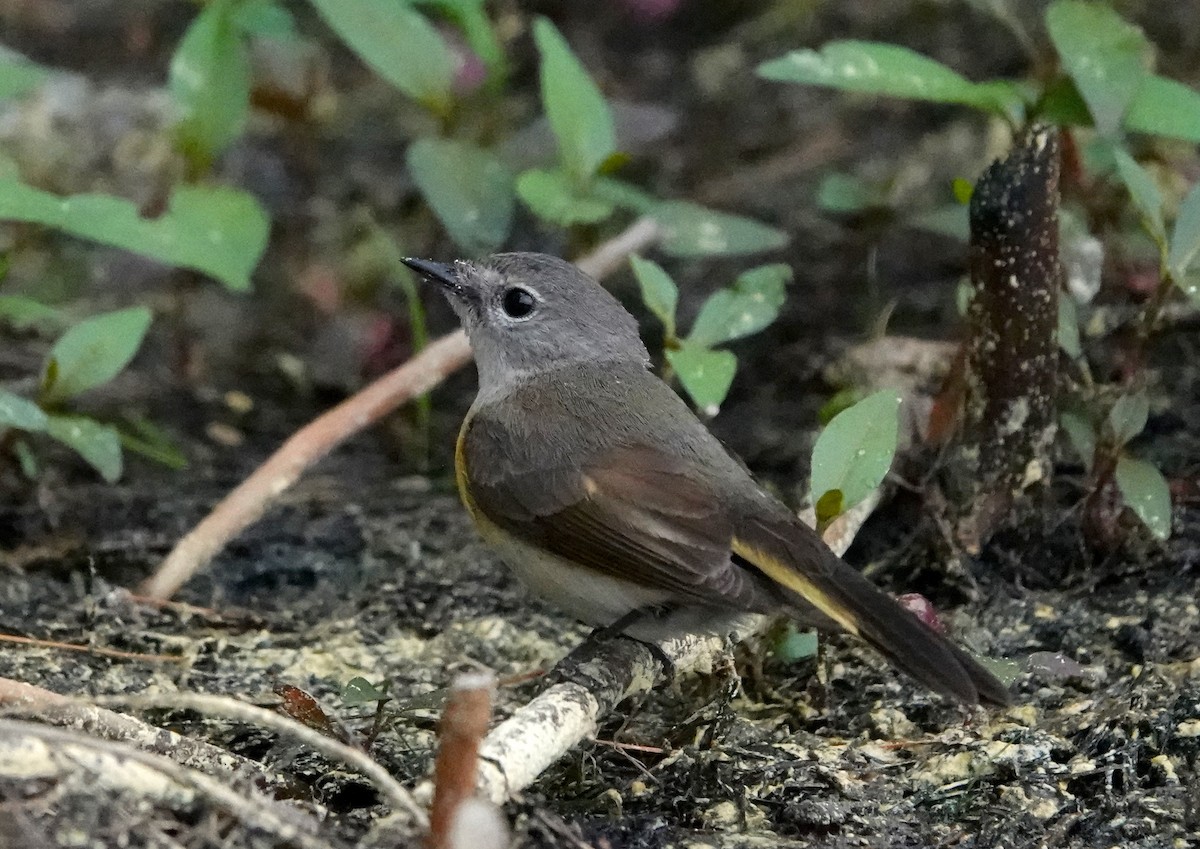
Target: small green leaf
[93, 352]
[20, 413]
[828, 507]
[1146, 493]
[1081, 435]
[950, 220]
[706, 375]
[399, 44]
[891, 70]
[554, 197]
[23, 313]
[1068, 326]
[1128, 416]
[359, 691]
[691, 230]
[963, 189]
[210, 82]
[1107, 57]
[747, 307]
[26, 459]
[659, 292]
[471, 17]
[845, 193]
[264, 18]
[854, 452]
[622, 194]
[98, 444]
[1165, 107]
[153, 443]
[1144, 191]
[213, 229]
[794, 645]
[18, 77]
[468, 188]
[1185, 237]
[577, 111]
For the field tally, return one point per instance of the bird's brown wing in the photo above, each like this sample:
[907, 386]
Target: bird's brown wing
[631, 512]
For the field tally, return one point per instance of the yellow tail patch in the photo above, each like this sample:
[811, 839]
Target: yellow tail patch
[785, 575]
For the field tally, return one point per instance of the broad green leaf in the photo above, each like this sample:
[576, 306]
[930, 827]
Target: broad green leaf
[1128, 416]
[706, 375]
[747, 307]
[264, 18]
[398, 43]
[659, 292]
[845, 193]
[554, 196]
[950, 220]
[471, 17]
[18, 77]
[210, 82]
[1144, 191]
[1165, 107]
[468, 188]
[891, 70]
[692, 230]
[1146, 492]
[1068, 326]
[98, 444]
[1081, 435]
[577, 111]
[359, 691]
[1185, 237]
[20, 413]
[622, 194]
[215, 230]
[854, 451]
[93, 352]
[1107, 57]
[23, 313]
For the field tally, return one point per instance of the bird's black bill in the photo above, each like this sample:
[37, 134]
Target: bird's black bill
[438, 272]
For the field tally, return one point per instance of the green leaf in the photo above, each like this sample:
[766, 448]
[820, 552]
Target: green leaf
[26, 459]
[399, 44]
[555, 197]
[93, 352]
[215, 230]
[1165, 107]
[18, 77]
[747, 307]
[1107, 57]
[845, 193]
[264, 18]
[1081, 435]
[1068, 326]
[577, 111]
[20, 413]
[98, 444]
[359, 691]
[706, 375]
[950, 220]
[468, 188]
[1144, 191]
[691, 230]
[659, 292]
[23, 313]
[854, 452]
[210, 83]
[894, 71]
[1128, 416]
[1146, 493]
[622, 194]
[1185, 237]
[471, 17]
[794, 645]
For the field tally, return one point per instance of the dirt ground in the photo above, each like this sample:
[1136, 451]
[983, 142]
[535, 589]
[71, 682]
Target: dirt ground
[369, 567]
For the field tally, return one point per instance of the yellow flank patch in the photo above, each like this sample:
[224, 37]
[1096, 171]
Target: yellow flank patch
[785, 575]
[460, 470]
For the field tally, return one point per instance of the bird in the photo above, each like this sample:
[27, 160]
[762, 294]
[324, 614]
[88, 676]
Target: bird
[607, 496]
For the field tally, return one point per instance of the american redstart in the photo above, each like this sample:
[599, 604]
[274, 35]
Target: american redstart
[607, 496]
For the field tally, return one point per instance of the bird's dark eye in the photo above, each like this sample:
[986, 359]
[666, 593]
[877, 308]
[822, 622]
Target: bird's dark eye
[518, 302]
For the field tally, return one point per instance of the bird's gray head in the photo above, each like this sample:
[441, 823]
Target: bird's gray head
[527, 312]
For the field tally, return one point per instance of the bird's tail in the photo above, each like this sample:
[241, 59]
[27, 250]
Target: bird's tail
[792, 556]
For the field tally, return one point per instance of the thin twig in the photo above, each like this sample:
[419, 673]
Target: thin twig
[229, 708]
[441, 358]
[98, 650]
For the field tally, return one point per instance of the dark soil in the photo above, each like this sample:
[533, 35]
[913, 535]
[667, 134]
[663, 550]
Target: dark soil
[367, 568]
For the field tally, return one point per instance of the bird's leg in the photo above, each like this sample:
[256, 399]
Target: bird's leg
[623, 623]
